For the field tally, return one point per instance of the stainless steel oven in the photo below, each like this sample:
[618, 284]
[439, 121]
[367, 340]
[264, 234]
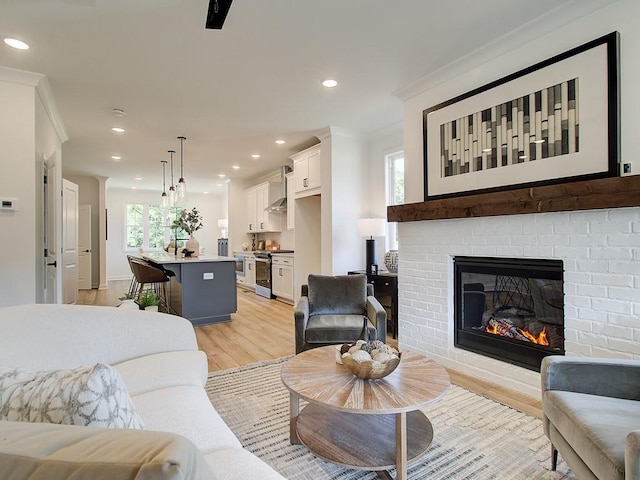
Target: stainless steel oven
[263, 274]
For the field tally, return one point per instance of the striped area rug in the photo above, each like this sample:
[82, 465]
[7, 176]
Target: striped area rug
[474, 437]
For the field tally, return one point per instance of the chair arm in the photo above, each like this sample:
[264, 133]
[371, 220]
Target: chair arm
[615, 378]
[632, 456]
[378, 316]
[301, 317]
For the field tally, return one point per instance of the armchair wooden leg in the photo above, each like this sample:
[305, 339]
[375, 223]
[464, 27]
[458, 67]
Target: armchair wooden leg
[554, 458]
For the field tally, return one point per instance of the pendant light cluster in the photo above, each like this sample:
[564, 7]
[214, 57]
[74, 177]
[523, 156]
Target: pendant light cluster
[177, 193]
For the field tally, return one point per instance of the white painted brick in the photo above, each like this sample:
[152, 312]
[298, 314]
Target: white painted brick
[538, 252]
[571, 252]
[592, 290]
[629, 240]
[624, 346]
[578, 349]
[579, 325]
[632, 268]
[594, 265]
[608, 353]
[555, 240]
[612, 279]
[623, 320]
[592, 315]
[607, 330]
[611, 227]
[570, 228]
[619, 293]
[606, 305]
[585, 338]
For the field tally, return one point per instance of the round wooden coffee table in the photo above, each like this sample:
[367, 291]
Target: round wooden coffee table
[363, 424]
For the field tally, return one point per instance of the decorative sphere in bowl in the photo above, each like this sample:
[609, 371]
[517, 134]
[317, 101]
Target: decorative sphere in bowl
[370, 361]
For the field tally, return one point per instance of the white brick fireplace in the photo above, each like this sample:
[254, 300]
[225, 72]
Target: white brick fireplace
[601, 254]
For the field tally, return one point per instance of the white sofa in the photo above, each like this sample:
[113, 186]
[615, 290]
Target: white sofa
[164, 372]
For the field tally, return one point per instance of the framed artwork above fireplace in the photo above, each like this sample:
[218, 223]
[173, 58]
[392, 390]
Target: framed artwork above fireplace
[553, 122]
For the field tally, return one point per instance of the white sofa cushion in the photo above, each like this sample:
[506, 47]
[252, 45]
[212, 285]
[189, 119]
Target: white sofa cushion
[190, 415]
[239, 464]
[39, 451]
[86, 396]
[162, 370]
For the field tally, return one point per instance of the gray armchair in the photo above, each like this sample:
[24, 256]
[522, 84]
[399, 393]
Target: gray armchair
[332, 311]
[591, 414]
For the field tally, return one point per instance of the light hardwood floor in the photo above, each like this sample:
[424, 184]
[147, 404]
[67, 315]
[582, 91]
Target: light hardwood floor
[262, 330]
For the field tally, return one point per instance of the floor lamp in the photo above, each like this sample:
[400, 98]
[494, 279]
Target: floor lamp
[371, 227]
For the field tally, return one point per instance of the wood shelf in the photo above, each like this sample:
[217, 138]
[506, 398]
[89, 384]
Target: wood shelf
[613, 192]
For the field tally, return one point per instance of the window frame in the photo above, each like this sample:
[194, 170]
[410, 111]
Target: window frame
[146, 226]
[390, 160]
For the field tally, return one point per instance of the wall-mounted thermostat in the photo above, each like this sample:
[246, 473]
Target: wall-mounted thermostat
[8, 204]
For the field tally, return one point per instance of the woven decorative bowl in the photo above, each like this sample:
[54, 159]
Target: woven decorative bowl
[370, 369]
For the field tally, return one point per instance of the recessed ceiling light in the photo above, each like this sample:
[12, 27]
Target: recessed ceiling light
[118, 112]
[329, 83]
[205, 192]
[280, 142]
[116, 157]
[219, 185]
[221, 175]
[236, 167]
[118, 129]
[134, 188]
[15, 43]
[255, 155]
[137, 178]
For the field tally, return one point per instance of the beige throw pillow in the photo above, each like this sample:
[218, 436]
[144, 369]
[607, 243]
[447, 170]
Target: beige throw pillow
[90, 396]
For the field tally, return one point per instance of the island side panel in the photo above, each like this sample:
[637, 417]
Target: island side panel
[209, 292]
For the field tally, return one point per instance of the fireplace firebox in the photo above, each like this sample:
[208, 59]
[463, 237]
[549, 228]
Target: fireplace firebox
[511, 309]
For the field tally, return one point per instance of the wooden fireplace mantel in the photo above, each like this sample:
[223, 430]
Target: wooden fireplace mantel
[584, 195]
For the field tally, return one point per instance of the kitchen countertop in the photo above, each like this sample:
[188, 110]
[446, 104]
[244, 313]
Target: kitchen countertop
[162, 257]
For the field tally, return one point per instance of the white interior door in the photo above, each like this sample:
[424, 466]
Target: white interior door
[52, 275]
[69, 242]
[84, 247]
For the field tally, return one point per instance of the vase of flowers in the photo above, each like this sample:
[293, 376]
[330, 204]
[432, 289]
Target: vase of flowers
[190, 222]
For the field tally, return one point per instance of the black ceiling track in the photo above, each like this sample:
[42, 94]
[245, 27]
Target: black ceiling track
[217, 14]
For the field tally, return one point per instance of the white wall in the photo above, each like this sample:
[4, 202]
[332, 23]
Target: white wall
[28, 138]
[211, 206]
[621, 16]
[601, 249]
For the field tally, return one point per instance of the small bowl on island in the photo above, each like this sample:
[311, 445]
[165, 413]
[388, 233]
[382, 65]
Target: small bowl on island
[370, 361]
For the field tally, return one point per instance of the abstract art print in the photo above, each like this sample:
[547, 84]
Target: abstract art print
[556, 121]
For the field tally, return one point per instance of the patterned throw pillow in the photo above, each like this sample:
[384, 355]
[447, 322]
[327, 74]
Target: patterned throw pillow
[90, 396]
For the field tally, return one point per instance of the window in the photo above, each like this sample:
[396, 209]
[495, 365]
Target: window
[395, 191]
[147, 226]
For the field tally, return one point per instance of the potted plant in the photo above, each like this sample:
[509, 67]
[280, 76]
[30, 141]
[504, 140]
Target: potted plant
[148, 300]
[190, 222]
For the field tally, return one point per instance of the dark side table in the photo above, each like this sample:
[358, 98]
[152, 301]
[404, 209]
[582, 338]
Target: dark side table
[385, 289]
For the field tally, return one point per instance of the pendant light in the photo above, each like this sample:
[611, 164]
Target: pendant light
[165, 199]
[182, 185]
[172, 190]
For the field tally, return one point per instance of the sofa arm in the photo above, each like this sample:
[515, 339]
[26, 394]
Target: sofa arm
[301, 317]
[378, 316]
[632, 456]
[42, 451]
[615, 378]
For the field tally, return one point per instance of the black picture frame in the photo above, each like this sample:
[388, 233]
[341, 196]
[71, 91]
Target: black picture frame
[455, 166]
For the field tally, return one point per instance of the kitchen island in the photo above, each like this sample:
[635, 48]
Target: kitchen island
[202, 289]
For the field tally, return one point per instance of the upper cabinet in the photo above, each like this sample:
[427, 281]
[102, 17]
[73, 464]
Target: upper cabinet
[306, 170]
[258, 199]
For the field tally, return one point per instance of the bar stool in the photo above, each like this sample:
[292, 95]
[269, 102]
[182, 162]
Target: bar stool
[153, 277]
[133, 286]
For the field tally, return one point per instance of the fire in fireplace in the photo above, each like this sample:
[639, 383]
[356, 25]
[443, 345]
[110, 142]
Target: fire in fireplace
[509, 309]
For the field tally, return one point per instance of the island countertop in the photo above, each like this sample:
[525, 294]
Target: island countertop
[164, 258]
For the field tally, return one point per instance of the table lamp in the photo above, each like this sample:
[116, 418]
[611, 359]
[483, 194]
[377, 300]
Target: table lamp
[371, 227]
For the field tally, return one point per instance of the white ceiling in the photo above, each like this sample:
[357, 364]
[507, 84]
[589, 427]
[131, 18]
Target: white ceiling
[233, 92]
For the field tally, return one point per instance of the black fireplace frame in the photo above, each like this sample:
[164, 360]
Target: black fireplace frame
[516, 352]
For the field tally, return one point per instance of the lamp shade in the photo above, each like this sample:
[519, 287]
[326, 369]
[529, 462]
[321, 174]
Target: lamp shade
[371, 227]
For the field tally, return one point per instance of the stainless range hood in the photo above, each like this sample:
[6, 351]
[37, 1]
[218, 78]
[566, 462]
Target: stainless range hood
[280, 205]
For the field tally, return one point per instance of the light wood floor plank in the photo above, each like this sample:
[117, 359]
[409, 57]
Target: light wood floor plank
[263, 330]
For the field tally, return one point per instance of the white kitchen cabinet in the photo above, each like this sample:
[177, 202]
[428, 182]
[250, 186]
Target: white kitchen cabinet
[258, 199]
[250, 274]
[291, 203]
[282, 277]
[306, 169]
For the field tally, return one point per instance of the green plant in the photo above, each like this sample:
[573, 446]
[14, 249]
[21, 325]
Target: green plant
[126, 296]
[190, 222]
[148, 298]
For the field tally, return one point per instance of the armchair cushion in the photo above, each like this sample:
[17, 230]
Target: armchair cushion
[340, 294]
[595, 426]
[336, 328]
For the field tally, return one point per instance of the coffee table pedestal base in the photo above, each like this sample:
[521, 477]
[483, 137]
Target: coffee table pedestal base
[363, 441]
